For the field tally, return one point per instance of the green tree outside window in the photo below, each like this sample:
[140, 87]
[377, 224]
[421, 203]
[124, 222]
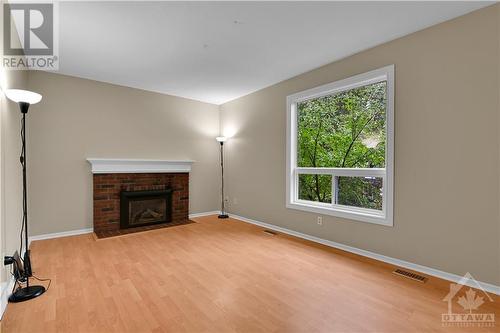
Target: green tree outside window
[344, 130]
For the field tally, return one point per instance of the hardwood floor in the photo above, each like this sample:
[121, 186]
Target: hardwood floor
[223, 276]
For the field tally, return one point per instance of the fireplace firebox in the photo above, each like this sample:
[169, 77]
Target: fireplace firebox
[141, 208]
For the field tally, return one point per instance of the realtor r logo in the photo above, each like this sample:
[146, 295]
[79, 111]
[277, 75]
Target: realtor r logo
[30, 37]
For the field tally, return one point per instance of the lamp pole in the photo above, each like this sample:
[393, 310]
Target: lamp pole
[23, 106]
[223, 214]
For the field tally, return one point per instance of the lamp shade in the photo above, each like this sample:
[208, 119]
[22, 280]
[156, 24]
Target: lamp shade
[221, 139]
[25, 96]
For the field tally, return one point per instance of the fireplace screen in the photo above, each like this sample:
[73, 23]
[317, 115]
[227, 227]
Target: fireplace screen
[139, 208]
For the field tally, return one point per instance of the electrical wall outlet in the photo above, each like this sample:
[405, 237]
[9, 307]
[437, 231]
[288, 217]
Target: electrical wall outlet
[235, 201]
[319, 220]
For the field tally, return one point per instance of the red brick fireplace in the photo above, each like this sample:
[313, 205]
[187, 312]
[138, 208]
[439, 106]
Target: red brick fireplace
[112, 180]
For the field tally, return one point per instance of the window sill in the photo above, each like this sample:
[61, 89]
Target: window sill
[344, 213]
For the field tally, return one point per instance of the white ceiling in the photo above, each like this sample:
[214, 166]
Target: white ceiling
[216, 52]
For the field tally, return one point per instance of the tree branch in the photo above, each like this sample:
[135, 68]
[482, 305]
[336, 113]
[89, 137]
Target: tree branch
[356, 137]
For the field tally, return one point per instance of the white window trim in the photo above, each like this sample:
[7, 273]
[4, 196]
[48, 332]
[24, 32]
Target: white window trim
[384, 217]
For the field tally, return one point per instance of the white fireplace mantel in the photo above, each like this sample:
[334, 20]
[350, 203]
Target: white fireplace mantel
[107, 165]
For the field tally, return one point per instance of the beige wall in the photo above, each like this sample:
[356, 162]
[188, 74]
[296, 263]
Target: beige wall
[446, 198]
[80, 118]
[498, 78]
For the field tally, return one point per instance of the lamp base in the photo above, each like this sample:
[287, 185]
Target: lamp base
[223, 216]
[26, 293]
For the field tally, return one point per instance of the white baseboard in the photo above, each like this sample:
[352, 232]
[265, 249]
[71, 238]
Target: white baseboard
[393, 261]
[61, 234]
[215, 212]
[5, 291]
[89, 230]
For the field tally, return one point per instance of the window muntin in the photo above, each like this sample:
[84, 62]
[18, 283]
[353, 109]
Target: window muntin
[339, 148]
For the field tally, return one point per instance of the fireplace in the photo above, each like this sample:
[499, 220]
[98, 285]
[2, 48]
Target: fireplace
[156, 193]
[112, 190]
[142, 208]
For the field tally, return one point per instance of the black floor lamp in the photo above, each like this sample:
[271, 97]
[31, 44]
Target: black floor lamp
[221, 140]
[25, 98]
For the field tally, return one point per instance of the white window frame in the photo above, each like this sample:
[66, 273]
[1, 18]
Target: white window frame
[384, 217]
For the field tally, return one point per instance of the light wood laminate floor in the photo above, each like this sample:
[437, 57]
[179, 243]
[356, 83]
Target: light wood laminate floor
[222, 276]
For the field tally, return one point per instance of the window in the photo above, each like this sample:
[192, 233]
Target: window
[340, 148]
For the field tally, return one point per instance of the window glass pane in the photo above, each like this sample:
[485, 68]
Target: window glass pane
[345, 130]
[315, 188]
[363, 192]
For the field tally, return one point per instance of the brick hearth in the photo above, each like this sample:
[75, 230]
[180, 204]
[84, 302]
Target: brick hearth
[107, 188]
